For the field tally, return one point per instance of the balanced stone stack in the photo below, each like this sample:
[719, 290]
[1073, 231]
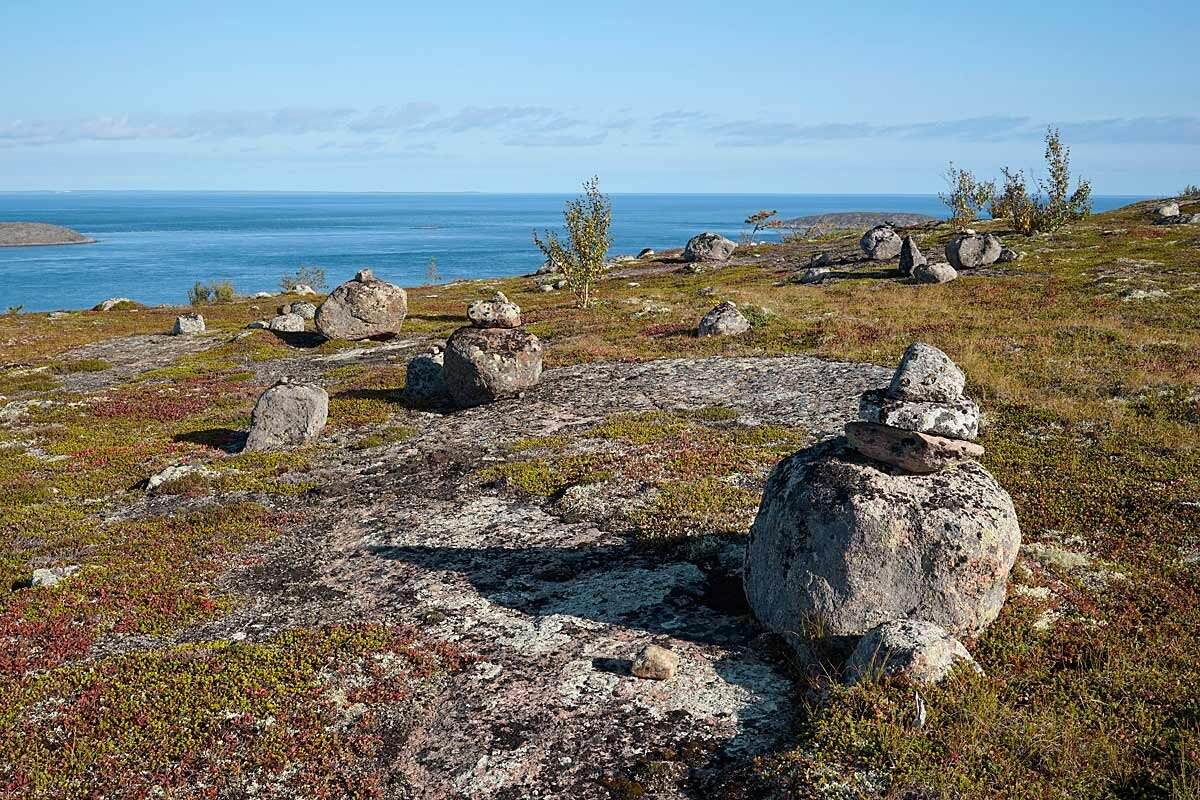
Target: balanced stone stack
[493, 357]
[895, 523]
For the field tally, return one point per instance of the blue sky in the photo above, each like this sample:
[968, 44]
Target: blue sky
[657, 96]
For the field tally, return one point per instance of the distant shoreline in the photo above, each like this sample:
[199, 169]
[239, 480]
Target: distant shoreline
[39, 234]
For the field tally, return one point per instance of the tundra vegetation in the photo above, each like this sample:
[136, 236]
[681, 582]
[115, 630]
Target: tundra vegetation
[215, 291]
[967, 196]
[1085, 354]
[309, 275]
[581, 257]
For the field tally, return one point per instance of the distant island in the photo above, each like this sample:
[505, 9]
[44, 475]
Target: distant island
[37, 234]
[854, 219]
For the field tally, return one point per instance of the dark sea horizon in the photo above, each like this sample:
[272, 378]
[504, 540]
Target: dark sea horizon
[154, 245]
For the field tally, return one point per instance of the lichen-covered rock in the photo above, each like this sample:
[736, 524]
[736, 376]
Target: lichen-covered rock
[911, 256]
[881, 243]
[655, 663]
[842, 545]
[813, 275]
[288, 415]
[174, 473]
[115, 302]
[955, 420]
[306, 310]
[709, 247]
[486, 364]
[362, 308]
[973, 250]
[287, 323]
[940, 272]
[498, 312]
[188, 325]
[926, 375]
[920, 651]
[52, 576]
[724, 320]
[424, 381]
[909, 450]
[1167, 210]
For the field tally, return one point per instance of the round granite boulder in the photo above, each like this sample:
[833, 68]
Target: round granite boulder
[363, 308]
[913, 649]
[881, 243]
[288, 415]
[481, 365]
[842, 544]
[973, 250]
[709, 247]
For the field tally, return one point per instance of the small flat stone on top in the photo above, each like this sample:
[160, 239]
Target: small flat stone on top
[498, 312]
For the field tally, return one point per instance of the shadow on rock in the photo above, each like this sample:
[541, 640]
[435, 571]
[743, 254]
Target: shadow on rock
[303, 340]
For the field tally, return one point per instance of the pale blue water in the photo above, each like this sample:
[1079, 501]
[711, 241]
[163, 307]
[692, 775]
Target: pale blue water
[153, 246]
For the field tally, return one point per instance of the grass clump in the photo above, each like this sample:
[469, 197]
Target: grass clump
[387, 436]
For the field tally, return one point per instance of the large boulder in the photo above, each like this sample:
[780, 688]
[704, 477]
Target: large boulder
[917, 650]
[881, 243]
[910, 256]
[188, 325]
[973, 250]
[363, 308]
[287, 415]
[708, 247]
[1167, 210]
[286, 323]
[424, 380]
[485, 364]
[498, 312]
[842, 544]
[724, 320]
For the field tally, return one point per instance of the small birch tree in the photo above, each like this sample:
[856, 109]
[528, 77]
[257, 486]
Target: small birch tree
[581, 257]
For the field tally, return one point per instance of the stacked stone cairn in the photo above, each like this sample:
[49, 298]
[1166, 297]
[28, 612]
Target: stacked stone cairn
[493, 357]
[891, 544]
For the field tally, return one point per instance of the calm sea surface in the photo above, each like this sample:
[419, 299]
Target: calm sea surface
[153, 246]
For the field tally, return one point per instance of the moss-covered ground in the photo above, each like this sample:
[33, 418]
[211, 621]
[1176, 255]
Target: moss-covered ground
[1085, 355]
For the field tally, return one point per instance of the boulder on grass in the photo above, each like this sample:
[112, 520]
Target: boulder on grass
[841, 545]
[709, 247]
[288, 415]
[973, 250]
[486, 364]
[287, 323]
[910, 256]
[363, 308]
[724, 320]
[934, 273]
[881, 243]
[188, 325]
[916, 650]
[1167, 210]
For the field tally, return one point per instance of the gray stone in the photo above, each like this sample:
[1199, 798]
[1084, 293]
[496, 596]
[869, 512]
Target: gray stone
[486, 364]
[926, 375]
[306, 310]
[261, 295]
[288, 415]
[173, 473]
[52, 576]
[955, 420]
[935, 273]
[841, 545]
[289, 323]
[909, 450]
[814, 275]
[1007, 256]
[498, 312]
[1167, 210]
[424, 381]
[646, 252]
[257, 324]
[973, 250]
[820, 260]
[655, 663]
[110, 303]
[708, 247]
[919, 651]
[303, 289]
[362, 308]
[910, 256]
[188, 325]
[881, 243]
[724, 320]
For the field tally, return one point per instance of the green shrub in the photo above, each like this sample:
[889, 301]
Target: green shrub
[212, 292]
[1051, 204]
[968, 196]
[581, 260]
[310, 276]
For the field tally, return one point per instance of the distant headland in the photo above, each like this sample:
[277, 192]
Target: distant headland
[38, 234]
[855, 219]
